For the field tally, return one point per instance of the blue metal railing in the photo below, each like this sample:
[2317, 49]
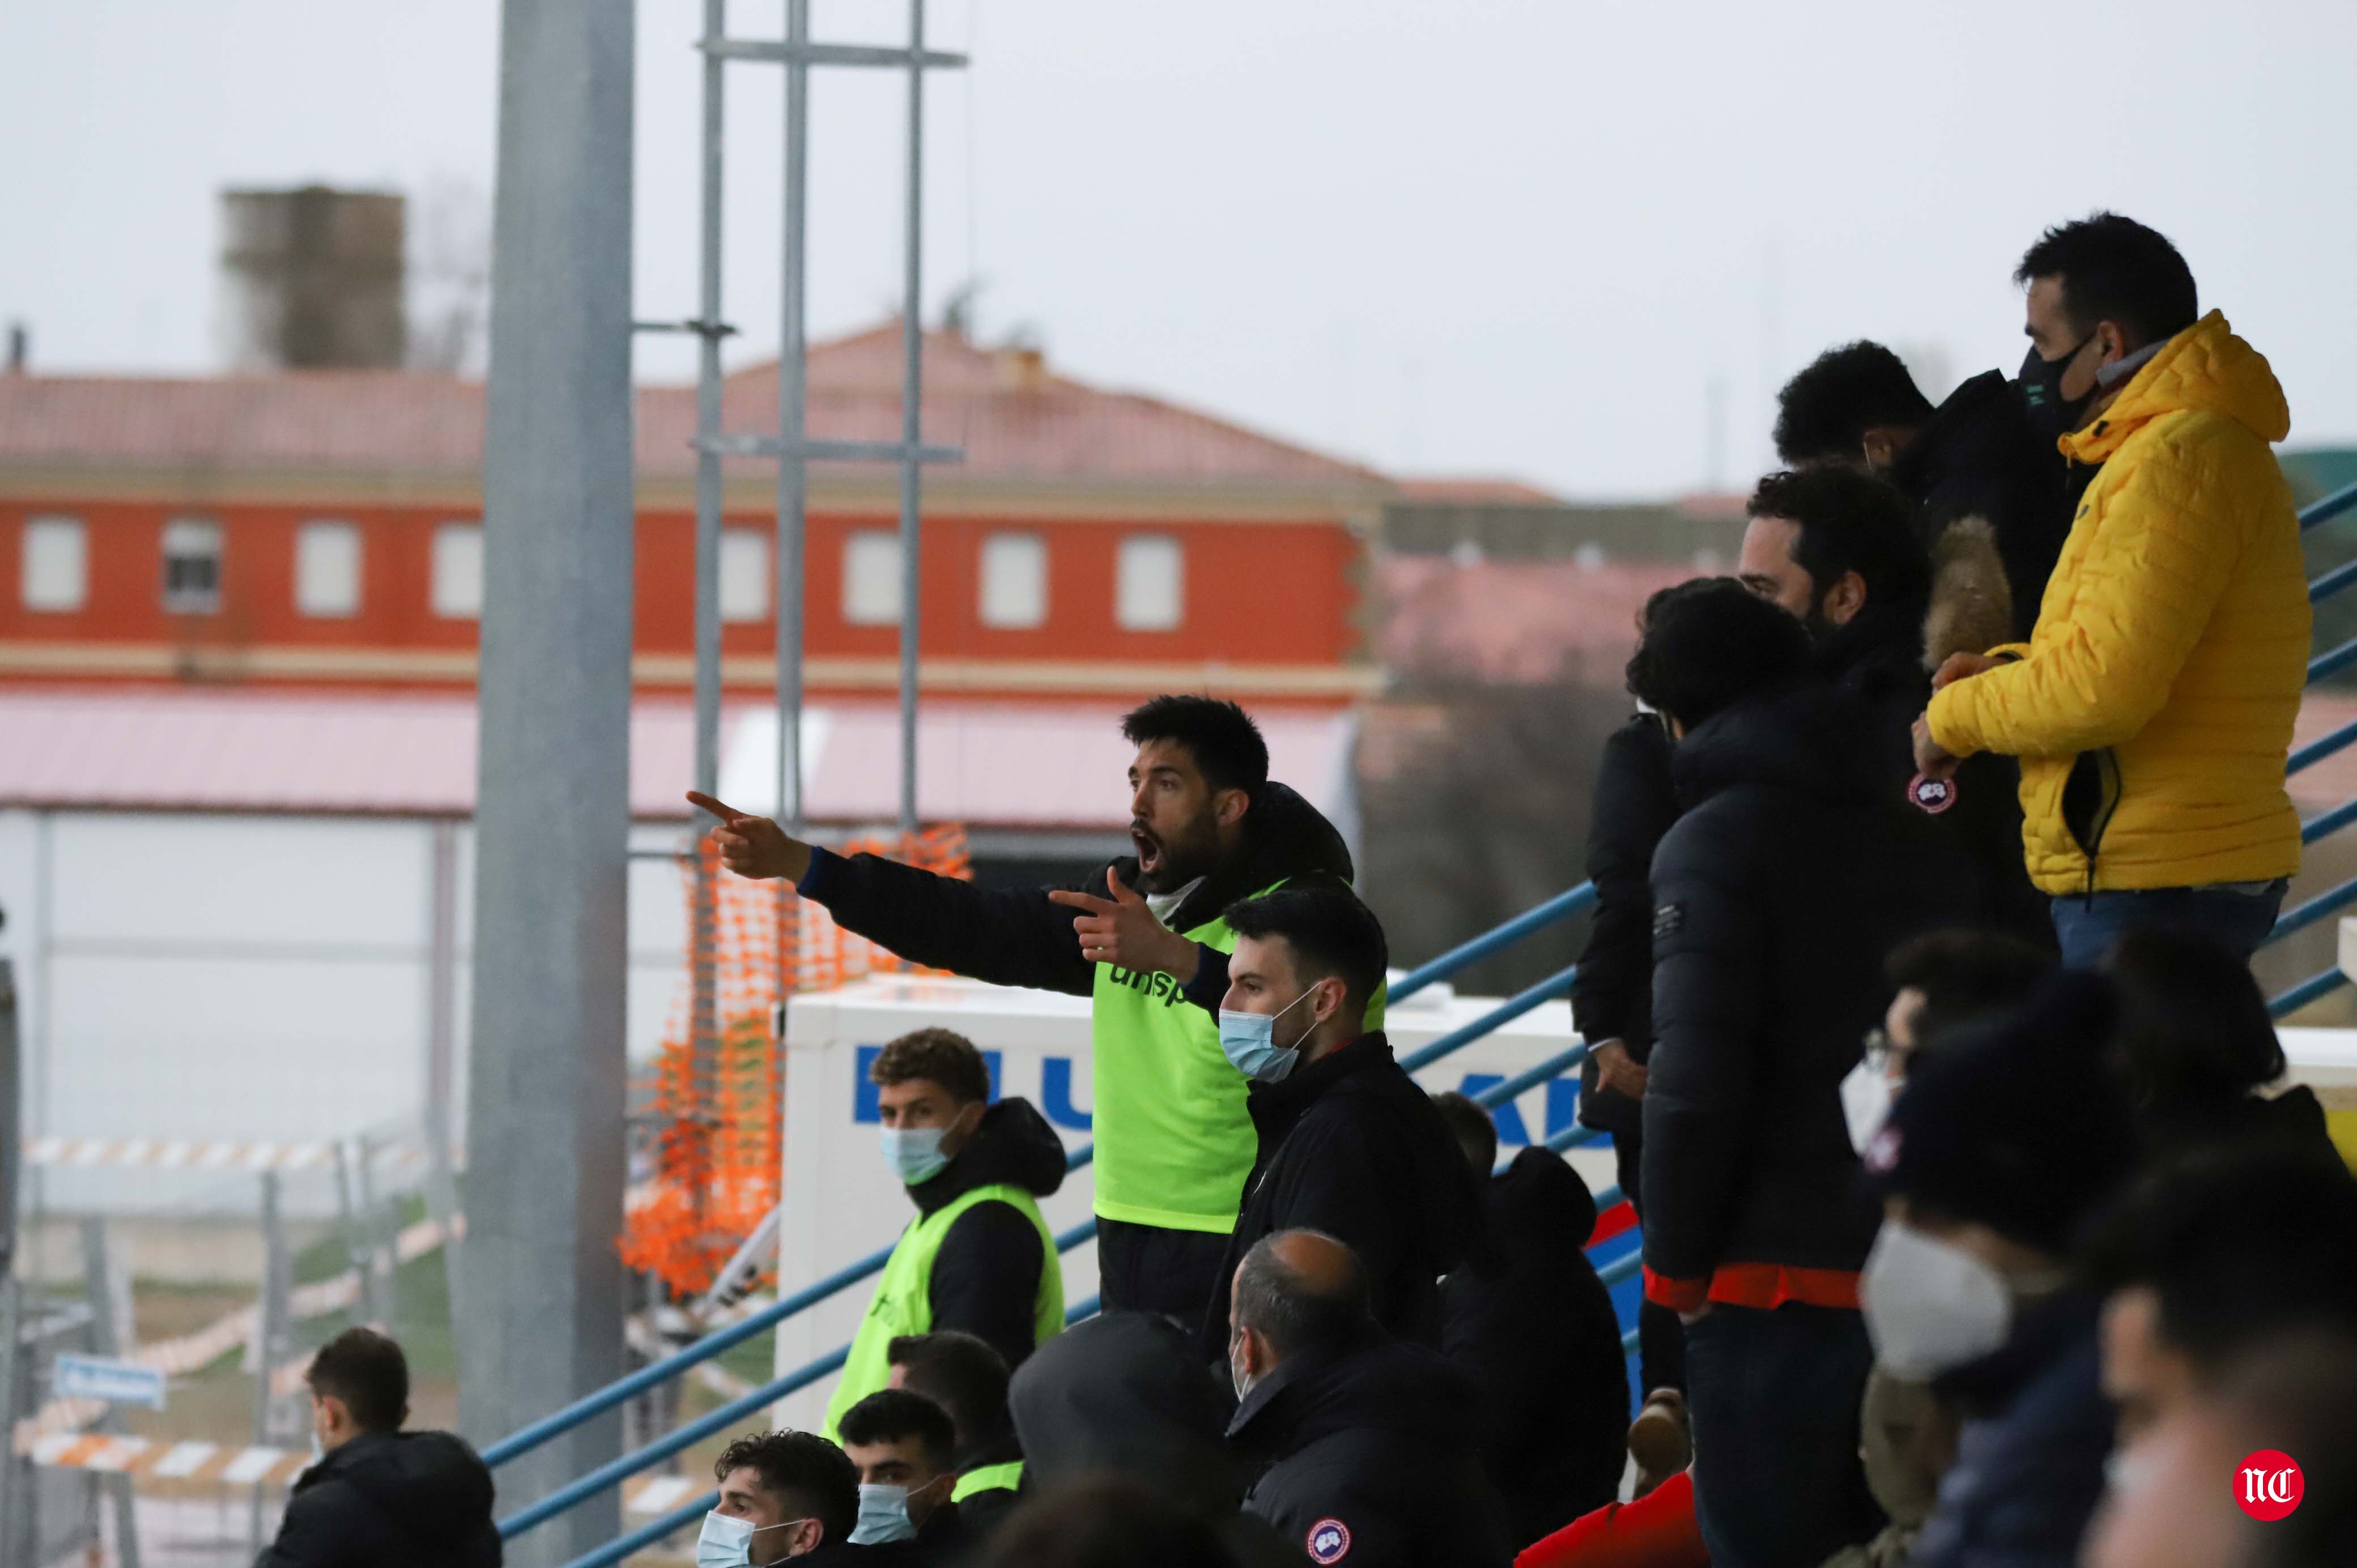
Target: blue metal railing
[1562, 907]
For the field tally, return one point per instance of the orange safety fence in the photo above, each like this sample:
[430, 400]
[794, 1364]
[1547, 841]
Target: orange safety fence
[721, 1111]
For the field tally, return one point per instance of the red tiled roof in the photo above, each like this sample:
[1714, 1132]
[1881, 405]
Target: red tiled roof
[1475, 493]
[1514, 621]
[1014, 419]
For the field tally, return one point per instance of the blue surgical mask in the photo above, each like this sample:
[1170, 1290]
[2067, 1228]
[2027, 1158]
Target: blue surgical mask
[1250, 1041]
[913, 1153]
[883, 1514]
[727, 1542]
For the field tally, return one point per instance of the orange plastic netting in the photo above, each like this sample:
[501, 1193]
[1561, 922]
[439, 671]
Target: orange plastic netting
[720, 1112]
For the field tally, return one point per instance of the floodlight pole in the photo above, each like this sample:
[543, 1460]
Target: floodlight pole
[913, 374]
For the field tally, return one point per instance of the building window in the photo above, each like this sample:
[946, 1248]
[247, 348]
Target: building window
[459, 571]
[56, 564]
[192, 566]
[1014, 580]
[871, 578]
[1149, 588]
[328, 569]
[744, 574]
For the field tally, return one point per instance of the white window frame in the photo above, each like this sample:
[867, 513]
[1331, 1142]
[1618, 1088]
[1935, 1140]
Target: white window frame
[1012, 581]
[54, 564]
[871, 577]
[193, 539]
[457, 588]
[744, 576]
[1150, 583]
[328, 569]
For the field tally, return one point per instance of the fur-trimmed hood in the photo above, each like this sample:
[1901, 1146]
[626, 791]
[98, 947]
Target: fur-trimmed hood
[1972, 608]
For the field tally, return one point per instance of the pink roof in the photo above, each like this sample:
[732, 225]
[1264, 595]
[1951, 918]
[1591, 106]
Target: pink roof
[1515, 621]
[1014, 419]
[985, 765]
[1438, 491]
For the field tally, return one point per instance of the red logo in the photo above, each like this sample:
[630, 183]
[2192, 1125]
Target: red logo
[2268, 1485]
[1328, 1541]
[1931, 795]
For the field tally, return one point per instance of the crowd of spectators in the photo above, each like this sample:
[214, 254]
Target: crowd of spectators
[1977, 1227]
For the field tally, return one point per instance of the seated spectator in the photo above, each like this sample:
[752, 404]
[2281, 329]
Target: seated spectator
[2216, 1254]
[783, 1495]
[968, 1379]
[2196, 1045]
[1534, 1326]
[1370, 1445]
[978, 1258]
[1107, 1521]
[1938, 981]
[901, 1445]
[2010, 1134]
[2178, 1505]
[1349, 1144]
[1983, 477]
[1777, 896]
[379, 1497]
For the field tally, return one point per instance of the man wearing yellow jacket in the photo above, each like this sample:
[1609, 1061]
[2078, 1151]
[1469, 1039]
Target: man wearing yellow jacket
[2152, 707]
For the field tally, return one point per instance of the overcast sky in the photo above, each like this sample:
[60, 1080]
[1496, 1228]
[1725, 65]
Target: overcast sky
[1492, 237]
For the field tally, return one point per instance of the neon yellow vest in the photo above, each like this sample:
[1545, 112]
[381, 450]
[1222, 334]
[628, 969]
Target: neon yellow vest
[1174, 1144]
[1004, 1478]
[903, 1305]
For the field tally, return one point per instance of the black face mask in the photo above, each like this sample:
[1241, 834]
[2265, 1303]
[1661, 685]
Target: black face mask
[2042, 388]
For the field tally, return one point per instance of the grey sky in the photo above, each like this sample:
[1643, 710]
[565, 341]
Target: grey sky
[1517, 239]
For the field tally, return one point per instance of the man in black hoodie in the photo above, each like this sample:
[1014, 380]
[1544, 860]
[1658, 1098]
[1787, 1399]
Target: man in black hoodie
[1776, 897]
[1369, 1447]
[380, 1497]
[1211, 827]
[978, 1258]
[1349, 1144]
[1978, 459]
[1536, 1327]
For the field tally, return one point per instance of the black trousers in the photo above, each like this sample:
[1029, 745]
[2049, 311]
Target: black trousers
[1661, 1339]
[1144, 1268]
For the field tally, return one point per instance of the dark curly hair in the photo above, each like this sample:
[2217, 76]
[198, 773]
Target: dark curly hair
[1849, 522]
[1221, 736]
[2114, 269]
[943, 1056]
[1712, 643]
[814, 1479]
[1824, 411]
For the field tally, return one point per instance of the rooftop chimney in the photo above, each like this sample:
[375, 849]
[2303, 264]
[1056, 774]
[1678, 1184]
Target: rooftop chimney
[20, 346]
[313, 278]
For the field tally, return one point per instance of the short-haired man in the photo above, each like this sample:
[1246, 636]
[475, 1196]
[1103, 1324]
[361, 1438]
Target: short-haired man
[1982, 478]
[1937, 980]
[1349, 1144]
[902, 1446]
[1209, 827]
[380, 1497]
[1370, 1444]
[783, 1495]
[968, 1379]
[2152, 706]
[1776, 897]
[978, 1257]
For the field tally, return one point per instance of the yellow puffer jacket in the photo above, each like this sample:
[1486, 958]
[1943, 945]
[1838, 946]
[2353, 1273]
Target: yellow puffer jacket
[2153, 704]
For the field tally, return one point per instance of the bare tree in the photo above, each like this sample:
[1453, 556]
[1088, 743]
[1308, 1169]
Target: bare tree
[449, 276]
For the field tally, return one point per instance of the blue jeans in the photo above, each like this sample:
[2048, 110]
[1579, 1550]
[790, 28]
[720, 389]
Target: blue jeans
[2087, 927]
[1774, 1400]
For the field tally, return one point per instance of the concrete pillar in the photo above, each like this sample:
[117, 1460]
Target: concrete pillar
[543, 1317]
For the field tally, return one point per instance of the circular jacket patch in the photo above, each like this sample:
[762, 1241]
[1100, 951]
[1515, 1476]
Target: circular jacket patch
[1328, 1541]
[1932, 795]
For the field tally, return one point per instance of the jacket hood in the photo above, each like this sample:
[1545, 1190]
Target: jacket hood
[2204, 368]
[1015, 1146]
[1876, 651]
[1810, 738]
[1384, 1384]
[429, 1484]
[1971, 599]
[1285, 836]
[1540, 1197]
[1124, 1391]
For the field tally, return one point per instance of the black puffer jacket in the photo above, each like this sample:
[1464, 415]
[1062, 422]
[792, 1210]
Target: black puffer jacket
[1980, 455]
[1792, 873]
[406, 1499]
[986, 1278]
[1370, 1457]
[1351, 1146]
[1021, 937]
[1612, 992]
[1536, 1328]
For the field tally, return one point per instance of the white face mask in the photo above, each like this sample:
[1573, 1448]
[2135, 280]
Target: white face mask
[1931, 1306]
[883, 1514]
[1866, 1097]
[727, 1542]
